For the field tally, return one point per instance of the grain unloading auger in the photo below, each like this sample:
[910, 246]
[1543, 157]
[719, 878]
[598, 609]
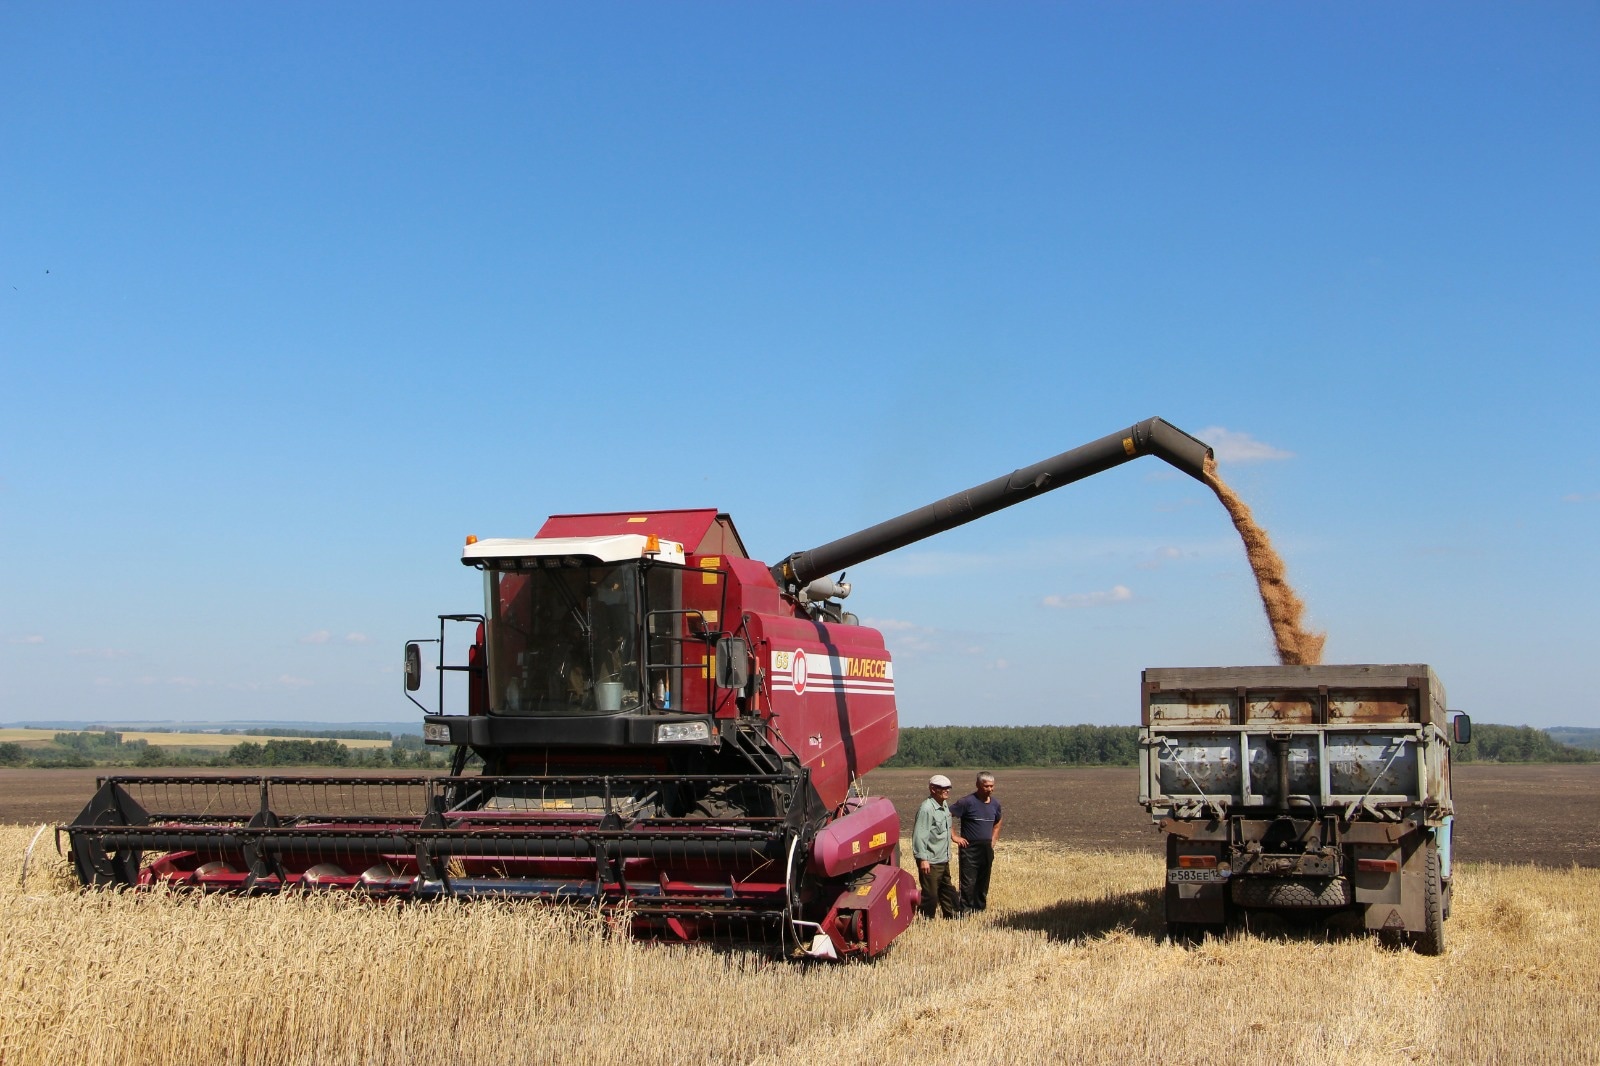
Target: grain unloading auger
[658, 724]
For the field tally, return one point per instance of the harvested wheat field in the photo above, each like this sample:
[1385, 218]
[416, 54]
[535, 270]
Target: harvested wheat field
[1066, 966]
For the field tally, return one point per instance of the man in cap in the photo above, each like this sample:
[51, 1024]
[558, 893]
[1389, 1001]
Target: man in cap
[930, 846]
[977, 830]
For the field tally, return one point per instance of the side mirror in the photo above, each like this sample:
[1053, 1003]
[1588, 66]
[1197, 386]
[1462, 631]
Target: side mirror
[1461, 729]
[733, 663]
[413, 667]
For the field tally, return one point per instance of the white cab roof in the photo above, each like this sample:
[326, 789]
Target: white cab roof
[614, 549]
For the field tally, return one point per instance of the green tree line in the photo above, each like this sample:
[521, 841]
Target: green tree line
[1118, 745]
[1018, 745]
[983, 746]
[108, 748]
[1518, 743]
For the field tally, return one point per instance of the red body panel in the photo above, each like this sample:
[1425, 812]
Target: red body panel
[829, 690]
[873, 912]
[701, 531]
[865, 836]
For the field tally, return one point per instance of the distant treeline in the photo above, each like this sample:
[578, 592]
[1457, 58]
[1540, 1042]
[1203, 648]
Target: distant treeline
[107, 748]
[1576, 736]
[1118, 745]
[976, 746]
[281, 731]
[1518, 743]
[1018, 745]
[301, 752]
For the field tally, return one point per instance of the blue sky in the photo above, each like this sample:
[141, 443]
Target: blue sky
[293, 297]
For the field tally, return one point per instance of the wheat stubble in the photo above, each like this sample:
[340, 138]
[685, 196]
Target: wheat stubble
[1296, 646]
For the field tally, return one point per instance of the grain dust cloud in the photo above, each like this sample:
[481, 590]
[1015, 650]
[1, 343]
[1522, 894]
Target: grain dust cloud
[1296, 646]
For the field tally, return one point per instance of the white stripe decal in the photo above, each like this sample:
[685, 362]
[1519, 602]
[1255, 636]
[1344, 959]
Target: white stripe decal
[801, 671]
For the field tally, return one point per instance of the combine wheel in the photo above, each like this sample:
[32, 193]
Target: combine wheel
[1430, 941]
[851, 927]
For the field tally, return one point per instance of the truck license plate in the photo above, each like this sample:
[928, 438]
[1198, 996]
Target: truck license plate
[1179, 877]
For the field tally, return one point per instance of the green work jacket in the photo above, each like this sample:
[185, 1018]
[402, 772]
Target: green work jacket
[930, 840]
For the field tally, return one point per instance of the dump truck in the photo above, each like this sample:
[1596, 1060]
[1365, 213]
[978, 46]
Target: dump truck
[655, 724]
[1304, 791]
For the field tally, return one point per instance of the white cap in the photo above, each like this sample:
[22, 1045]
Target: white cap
[938, 781]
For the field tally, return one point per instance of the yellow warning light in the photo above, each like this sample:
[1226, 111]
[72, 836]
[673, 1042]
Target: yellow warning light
[652, 544]
[471, 539]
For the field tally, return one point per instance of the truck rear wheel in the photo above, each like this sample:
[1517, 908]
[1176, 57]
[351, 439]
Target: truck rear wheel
[1430, 941]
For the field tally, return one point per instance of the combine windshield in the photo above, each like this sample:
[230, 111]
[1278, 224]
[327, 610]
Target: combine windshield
[564, 641]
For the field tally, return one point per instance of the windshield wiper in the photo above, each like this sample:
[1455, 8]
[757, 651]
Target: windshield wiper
[573, 606]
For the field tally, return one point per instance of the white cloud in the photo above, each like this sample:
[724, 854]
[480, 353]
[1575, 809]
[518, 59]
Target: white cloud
[170, 682]
[288, 681]
[904, 638]
[1106, 598]
[1160, 557]
[325, 636]
[31, 638]
[894, 625]
[1581, 497]
[909, 639]
[1234, 447]
[99, 653]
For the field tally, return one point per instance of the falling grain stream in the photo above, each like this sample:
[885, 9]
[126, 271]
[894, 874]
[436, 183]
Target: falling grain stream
[1296, 646]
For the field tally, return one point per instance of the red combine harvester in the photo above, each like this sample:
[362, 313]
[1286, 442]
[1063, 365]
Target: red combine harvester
[663, 724]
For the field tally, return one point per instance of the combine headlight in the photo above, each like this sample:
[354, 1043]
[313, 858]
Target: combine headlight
[674, 731]
[437, 732]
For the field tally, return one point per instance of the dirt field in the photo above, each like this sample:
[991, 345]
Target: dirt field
[1508, 814]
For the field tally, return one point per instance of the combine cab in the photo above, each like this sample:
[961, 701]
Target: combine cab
[656, 724]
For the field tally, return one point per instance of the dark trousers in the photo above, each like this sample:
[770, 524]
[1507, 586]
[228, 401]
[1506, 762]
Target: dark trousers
[977, 859]
[937, 891]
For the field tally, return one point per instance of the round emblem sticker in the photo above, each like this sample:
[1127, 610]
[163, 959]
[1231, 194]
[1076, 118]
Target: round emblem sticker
[799, 681]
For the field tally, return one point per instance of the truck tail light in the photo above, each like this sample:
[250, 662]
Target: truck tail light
[1197, 862]
[1378, 866]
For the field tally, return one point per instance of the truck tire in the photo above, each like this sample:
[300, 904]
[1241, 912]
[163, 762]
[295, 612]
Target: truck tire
[1295, 893]
[1430, 941]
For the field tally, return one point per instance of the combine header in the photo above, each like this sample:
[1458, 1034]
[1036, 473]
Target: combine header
[661, 726]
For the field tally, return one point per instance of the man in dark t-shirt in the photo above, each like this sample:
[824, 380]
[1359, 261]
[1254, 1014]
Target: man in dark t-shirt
[975, 828]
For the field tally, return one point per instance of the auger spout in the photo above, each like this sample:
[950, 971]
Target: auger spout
[1153, 436]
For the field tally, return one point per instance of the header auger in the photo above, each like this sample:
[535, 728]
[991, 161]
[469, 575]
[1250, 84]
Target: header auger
[654, 722]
